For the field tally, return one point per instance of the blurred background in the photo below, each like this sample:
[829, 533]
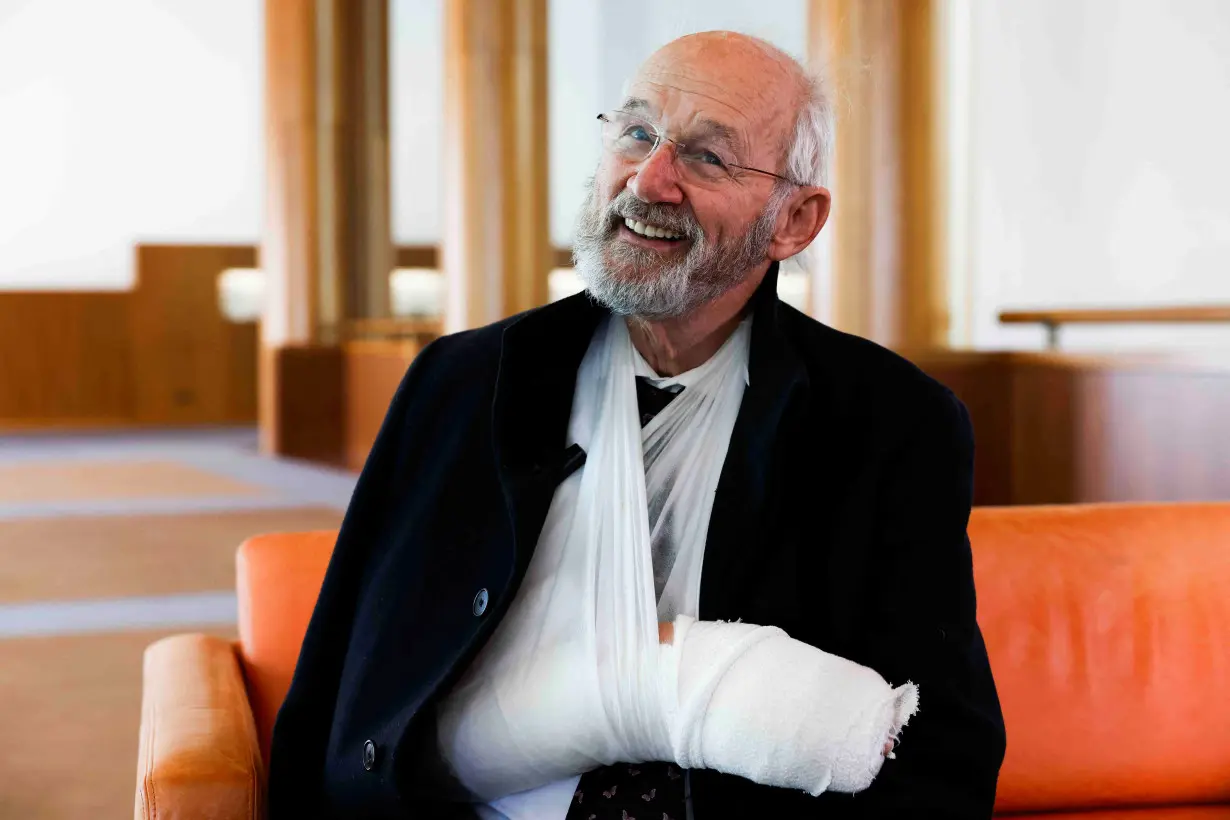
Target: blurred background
[227, 227]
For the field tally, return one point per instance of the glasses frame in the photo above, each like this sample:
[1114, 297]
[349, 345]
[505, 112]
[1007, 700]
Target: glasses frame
[659, 137]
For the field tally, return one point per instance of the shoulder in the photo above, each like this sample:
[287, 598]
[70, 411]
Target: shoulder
[465, 354]
[871, 383]
[466, 361]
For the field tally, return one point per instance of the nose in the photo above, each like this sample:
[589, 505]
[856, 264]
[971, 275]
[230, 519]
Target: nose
[657, 178]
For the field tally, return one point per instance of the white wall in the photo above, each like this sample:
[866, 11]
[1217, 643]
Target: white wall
[125, 121]
[416, 117]
[1099, 163]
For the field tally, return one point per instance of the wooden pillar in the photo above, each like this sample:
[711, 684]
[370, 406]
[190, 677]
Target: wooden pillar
[326, 249]
[290, 253]
[357, 123]
[496, 249]
[888, 281]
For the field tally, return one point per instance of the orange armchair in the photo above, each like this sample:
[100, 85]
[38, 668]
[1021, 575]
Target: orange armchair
[208, 706]
[1108, 628]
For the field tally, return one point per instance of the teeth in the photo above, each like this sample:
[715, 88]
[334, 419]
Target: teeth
[651, 231]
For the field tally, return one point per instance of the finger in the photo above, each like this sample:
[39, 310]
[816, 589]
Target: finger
[666, 632]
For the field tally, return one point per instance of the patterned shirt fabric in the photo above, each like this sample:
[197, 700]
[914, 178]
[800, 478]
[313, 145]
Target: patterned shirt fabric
[641, 791]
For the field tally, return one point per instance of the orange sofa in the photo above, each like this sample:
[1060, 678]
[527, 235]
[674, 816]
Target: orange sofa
[1108, 628]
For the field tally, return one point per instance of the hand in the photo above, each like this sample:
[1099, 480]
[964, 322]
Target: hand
[666, 632]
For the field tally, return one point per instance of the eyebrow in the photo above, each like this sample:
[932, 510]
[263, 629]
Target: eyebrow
[636, 105]
[707, 127]
[721, 132]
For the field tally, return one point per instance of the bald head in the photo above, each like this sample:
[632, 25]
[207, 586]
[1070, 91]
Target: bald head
[746, 81]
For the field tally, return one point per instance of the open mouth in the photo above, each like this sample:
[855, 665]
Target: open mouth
[650, 234]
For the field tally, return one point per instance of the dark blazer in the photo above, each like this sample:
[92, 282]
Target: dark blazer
[840, 517]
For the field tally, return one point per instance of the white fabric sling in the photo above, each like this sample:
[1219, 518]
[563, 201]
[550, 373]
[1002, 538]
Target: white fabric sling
[574, 676]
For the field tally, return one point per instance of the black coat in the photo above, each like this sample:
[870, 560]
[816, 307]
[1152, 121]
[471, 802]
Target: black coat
[840, 517]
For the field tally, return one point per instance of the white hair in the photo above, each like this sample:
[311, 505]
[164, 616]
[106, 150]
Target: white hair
[807, 157]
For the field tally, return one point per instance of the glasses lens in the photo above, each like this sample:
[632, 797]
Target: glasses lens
[703, 163]
[627, 136]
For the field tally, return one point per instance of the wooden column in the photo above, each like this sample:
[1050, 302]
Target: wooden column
[326, 249]
[496, 249]
[290, 252]
[888, 280]
[357, 125]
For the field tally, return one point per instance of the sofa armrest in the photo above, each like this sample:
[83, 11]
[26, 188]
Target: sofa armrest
[199, 755]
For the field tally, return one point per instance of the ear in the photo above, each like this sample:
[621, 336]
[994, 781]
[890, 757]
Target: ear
[801, 218]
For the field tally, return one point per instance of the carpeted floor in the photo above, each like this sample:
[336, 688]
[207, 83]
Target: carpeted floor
[108, 543]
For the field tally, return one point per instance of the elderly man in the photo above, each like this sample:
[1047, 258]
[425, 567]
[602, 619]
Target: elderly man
[665, 549]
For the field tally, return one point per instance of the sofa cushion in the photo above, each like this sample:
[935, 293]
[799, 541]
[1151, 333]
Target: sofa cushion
[1108, 629]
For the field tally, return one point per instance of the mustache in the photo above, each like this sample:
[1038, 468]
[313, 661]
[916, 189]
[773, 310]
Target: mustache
[677, 218]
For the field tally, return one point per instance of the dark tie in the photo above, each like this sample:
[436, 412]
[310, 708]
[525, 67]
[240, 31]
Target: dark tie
[634, 791]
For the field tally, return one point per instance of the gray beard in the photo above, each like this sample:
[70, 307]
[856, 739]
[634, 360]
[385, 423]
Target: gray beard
[633, 281]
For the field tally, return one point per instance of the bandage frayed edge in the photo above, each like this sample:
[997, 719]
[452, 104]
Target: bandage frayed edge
[906, 697]
[905, 707]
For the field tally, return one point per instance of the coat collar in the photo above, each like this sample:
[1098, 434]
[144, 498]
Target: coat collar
[540, 355]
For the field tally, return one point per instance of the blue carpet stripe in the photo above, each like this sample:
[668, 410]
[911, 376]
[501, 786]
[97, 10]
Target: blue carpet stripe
[47, 618]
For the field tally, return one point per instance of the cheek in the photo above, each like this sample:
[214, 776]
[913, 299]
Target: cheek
[609, 180]
[722, 217]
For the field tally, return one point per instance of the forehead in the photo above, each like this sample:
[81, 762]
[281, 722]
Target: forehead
[749, 98]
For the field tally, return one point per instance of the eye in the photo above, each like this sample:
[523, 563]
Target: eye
[638, 133]
[710, 158]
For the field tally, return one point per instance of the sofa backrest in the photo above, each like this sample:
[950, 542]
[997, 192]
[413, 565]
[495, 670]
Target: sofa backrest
[278, 580]
[1108, 629]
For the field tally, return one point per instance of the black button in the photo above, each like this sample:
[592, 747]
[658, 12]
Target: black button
[369, 755]
[480, 603]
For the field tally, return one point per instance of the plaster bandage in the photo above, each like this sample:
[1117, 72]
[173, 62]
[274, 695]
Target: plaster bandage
[752, 701]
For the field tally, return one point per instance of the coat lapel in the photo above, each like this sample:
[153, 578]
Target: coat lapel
[539, 357]
[775, 374]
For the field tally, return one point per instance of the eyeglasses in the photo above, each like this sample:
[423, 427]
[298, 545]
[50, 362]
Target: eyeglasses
[703, 159]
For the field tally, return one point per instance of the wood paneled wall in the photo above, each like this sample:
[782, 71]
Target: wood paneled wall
[372, 370]
[334, 398]
[65, 359]
[1057, 429]
[160, 354]
[306, 414]
[190, 364]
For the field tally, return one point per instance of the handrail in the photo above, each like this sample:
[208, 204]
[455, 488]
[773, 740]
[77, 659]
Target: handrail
[1052, 320]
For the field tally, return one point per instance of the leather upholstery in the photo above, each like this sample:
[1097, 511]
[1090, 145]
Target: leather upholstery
[198, 754]
[1108, 629]
[1180, 813]
[278, 579]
